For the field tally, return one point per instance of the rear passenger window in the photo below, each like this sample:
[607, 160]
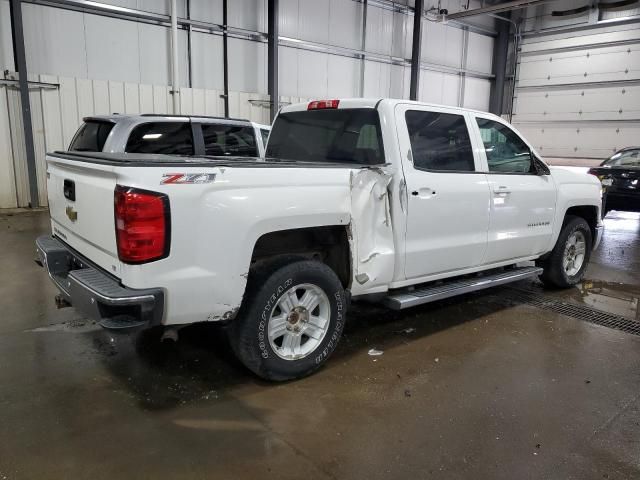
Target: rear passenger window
[239, 141]
[91, 136]
[439, 141]
[172, 138]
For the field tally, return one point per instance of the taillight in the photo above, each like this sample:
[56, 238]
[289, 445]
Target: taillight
[322, 104]
[142, 224]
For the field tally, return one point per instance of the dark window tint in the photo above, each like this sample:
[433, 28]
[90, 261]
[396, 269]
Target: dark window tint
[336, 136]
[265, 136]
[229, 140]
[439, 141]
[173, 138]
[506, 151]
[91, 136]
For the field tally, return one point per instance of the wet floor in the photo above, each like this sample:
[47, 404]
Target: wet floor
[477, 387]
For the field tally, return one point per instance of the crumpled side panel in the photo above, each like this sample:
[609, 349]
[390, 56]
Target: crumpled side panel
[372, 231]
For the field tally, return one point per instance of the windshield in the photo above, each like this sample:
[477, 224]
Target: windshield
[334, 136]
[628, 158]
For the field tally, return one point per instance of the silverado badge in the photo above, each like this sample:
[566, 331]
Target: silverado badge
[71, 213]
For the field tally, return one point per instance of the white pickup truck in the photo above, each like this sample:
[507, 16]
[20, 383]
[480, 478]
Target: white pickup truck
[391, 200]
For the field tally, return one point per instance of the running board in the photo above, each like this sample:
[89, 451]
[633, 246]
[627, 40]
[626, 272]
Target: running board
[409, 298]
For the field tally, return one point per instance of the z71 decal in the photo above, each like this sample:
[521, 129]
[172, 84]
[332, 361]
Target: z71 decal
[187, 178]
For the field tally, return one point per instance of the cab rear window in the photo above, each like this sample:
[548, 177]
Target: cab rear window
[91, 136]
[170, 138]
[333, 136]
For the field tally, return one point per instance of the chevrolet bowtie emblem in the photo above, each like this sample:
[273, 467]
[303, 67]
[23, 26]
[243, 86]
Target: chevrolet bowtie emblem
[72, 214]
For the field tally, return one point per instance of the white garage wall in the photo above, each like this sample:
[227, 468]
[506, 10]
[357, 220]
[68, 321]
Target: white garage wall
[98, 65]
[578, 91]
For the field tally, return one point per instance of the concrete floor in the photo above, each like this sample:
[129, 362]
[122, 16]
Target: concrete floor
[476, 387]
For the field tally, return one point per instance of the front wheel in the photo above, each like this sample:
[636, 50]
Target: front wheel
[566, 264]
[291, 322]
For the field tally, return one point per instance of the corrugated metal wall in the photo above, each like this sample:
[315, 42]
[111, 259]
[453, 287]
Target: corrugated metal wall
[102, 65]
[578, 92]
[59, 106]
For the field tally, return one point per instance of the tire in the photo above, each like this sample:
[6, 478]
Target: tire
[253, 333]
[559, 271]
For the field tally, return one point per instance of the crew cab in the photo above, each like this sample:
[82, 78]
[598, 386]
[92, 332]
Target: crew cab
[171, 135]
[392, 201]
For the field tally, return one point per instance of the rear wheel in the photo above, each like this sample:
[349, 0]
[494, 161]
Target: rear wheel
[291, 321]
[566, 264]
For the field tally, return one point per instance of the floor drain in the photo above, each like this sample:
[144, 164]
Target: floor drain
[579, 312]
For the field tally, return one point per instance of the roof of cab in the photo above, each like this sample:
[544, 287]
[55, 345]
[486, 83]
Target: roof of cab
[373, 103]
[145, 117]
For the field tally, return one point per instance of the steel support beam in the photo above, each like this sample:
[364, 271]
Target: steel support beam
[363, 45]
[20, 61]
[225, 57]
[500, 7]
[500, 52]
[272, 54]
[415, 50]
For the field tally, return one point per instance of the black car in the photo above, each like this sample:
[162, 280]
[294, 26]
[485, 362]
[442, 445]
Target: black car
[620, 177]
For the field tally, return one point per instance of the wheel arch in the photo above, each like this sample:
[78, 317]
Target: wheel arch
[328, 244]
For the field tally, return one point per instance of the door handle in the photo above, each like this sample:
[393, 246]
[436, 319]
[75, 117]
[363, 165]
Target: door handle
[502, 189]
[424, 192]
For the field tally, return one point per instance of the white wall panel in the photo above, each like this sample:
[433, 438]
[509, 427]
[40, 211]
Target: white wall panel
[146, 98]
[109, 55]
[376, 79]
[7, 179]
[345, 24]
[154, 53]
[313, 20]
[480, 53]
[248, 14]
[430, 90]
[84, 94]
[476, 93]
[450, 89]
[288, 18]
[132, 98]
[207, 10]
[206, 61]
[101, 97]
[288, 71]
[441, 44]
[247, 66]
[313, 74]
[6, 50]
[54, 41]
[116, 97]
[344, 77]
[402, 35]
[379, 30]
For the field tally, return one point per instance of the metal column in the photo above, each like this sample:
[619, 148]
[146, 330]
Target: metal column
[415, 50]
[272, 53]
[363, 45]
[500, 51]
[225, 57]
[20, 61]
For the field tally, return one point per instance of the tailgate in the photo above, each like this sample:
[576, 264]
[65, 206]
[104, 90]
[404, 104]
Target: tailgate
[81, 197]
